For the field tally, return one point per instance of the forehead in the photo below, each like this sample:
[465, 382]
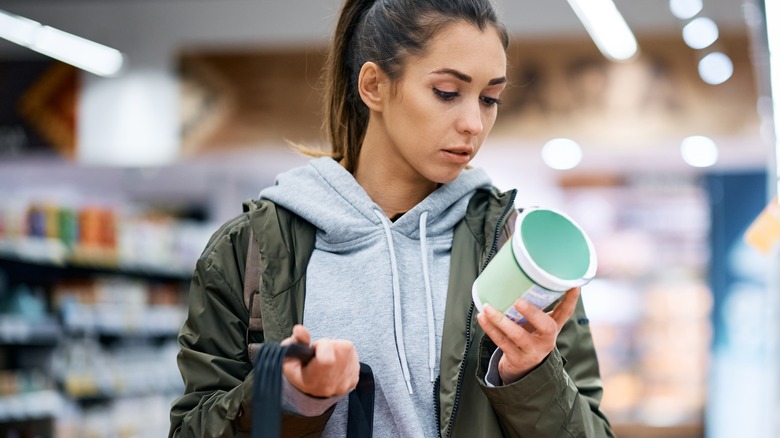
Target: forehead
[466, 48]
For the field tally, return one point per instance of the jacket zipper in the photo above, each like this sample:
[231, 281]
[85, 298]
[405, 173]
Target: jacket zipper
[462, 369]
[436, 400]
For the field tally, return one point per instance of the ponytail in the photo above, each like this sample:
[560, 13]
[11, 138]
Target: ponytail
[346, 116]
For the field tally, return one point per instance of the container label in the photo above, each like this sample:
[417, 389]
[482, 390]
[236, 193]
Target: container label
[536, 295]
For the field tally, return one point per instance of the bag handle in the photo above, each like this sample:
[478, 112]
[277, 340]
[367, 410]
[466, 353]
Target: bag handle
[360, 419]
[267, 392]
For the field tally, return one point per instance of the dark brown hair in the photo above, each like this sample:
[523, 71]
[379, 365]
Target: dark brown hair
[385, 32]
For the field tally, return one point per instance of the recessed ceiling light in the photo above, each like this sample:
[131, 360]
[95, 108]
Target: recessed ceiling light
[700, 33]
[699, 151]
[562, 154]
[685, 9]
[716, 68]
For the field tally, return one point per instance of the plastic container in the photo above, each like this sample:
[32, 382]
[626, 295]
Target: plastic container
[547, 255]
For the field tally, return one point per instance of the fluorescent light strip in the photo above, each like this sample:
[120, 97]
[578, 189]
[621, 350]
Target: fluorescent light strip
[18, 30]
[606, 27]
[82, 53]
[773, 41]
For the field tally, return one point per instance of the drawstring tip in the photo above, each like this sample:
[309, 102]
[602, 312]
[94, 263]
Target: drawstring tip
[433, 375]
[409, 387]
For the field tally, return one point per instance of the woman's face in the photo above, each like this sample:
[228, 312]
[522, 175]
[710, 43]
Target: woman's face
[445, 103]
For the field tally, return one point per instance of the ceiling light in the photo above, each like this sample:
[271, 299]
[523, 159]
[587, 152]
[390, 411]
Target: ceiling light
[716, 68]
[685, 9]
[699, 151]
[606, 27]
[18, 30]
[562, 154]
[82, 53]
[700, 33]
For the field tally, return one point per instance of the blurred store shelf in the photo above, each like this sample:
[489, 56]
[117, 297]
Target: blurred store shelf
[30, 406]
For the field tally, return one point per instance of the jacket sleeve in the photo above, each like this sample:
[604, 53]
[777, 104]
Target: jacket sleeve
[213, 358]
[561, 397]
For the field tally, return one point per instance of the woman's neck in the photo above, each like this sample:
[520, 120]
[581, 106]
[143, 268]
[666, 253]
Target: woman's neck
[393, 187]
[393, 195]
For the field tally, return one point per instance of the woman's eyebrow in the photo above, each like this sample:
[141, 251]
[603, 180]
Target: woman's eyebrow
[466, 78]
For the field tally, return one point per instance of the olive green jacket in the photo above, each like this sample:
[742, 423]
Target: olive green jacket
[560, 398]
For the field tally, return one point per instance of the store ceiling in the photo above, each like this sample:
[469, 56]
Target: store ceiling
[154, 34]
[235, 22]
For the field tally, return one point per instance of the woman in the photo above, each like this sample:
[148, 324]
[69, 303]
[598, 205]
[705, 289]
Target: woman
[372, 251]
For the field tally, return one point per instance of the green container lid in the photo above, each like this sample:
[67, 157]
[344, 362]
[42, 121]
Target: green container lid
[553, 250]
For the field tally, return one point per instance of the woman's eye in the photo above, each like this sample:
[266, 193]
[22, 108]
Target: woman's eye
[445, 95]
[490, 101]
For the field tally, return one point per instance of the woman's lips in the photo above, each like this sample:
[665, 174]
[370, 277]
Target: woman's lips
[458, 155]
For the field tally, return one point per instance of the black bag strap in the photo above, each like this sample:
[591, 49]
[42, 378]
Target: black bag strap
[360, 419]
[267, 393]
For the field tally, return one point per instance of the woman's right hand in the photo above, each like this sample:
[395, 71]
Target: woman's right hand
[334, 369]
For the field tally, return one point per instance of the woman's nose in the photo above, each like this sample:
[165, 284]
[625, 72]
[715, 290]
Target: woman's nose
[470, 119]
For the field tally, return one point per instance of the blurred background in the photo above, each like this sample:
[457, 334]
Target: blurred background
[650, 122]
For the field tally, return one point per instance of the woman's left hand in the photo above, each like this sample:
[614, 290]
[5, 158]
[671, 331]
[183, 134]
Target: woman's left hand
[526, 346]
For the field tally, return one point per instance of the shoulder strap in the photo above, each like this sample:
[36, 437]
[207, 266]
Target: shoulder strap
[279, 247]
[252, 291]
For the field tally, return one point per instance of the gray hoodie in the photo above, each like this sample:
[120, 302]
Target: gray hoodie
[378, 283]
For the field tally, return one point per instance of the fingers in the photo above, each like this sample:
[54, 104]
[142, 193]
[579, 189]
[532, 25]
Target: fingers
[553, 322]
[565, 308]
[324, 351]
[334, 370]
[522, 349]
[538, 321]
[504, 332]
[525, 346]
[489, 326]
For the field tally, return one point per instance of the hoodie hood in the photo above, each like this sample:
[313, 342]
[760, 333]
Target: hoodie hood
[323, 193]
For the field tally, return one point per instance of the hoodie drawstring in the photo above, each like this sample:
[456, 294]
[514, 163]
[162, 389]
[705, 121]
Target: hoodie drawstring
[428, 295]
[399, 331]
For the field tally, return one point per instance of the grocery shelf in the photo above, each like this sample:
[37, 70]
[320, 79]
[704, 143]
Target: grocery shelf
[41, 266]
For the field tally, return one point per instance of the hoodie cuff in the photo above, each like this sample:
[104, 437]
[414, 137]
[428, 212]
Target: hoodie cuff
[546, 380]
[297, 402]
[492, 377]
[547, 376]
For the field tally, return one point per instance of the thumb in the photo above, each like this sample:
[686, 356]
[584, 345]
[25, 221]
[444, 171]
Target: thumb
[300, 335]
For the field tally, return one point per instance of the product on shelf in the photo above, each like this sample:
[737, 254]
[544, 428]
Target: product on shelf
[100, 235]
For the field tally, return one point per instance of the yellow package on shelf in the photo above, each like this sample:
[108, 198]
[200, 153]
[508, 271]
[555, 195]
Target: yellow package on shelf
[764, 233]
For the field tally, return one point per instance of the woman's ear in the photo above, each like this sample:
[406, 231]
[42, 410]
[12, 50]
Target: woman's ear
[373, 86]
